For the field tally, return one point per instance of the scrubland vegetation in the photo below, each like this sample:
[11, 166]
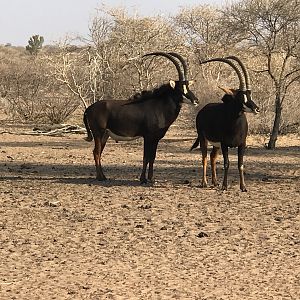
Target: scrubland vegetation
[47, 83]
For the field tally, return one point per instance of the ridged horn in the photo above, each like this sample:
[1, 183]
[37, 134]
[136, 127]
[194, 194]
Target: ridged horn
[183, 62]
[229, 62]
[172, 59]
[245, 71]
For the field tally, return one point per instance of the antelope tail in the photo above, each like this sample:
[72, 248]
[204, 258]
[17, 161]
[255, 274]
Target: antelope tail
[89, 137]
[195, 145]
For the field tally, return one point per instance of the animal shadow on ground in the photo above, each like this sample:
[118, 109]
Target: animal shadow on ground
[178, 170]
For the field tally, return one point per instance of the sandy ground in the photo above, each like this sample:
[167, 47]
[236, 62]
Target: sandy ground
[66, 236]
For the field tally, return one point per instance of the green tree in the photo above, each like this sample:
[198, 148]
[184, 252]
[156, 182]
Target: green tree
[35, 44]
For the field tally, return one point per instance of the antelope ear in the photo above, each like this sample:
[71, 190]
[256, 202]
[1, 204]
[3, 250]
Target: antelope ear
[172, 84]
[227, 91]
[191, 82]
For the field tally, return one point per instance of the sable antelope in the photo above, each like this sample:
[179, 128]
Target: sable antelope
[147, 115]
[225, 125]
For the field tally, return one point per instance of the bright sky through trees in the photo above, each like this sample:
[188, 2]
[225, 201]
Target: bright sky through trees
[55, 19]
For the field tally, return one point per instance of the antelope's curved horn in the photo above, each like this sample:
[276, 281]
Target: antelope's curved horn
[245, 71]
[172, 59]
[183, 62]
[229, 62]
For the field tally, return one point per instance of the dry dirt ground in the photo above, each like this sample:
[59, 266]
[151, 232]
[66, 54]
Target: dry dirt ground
[65, 236]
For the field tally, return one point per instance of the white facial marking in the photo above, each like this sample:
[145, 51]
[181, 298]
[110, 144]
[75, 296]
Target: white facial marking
[247, 109]
[188, 101]
[185, 89]
[245, 98]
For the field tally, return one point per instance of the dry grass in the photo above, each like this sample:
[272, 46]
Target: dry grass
[66, 236]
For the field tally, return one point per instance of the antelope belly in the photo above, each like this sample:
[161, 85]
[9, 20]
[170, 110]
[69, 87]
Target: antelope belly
[215, 144]
[120, 137]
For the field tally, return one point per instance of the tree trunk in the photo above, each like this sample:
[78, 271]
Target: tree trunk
[276, 124]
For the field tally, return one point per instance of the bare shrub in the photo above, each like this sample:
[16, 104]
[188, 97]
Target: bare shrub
[110, 65]
[29, 93]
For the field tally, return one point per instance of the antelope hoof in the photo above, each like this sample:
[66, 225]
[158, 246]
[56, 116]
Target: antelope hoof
[151, 181]
[224, 188]
[243, 189]
[143, 181]
[203, 184]
[101, 178]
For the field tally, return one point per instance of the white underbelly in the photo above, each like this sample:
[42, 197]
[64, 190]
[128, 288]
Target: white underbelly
[120, 137]
[215, 144]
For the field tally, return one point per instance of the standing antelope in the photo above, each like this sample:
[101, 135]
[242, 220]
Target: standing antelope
[147, 115]
[225, 125]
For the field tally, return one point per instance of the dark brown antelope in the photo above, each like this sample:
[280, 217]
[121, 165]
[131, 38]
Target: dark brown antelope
[147, 115]
[225, 125]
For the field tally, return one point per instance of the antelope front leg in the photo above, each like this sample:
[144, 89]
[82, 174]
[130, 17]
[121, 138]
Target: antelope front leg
[152, 156]
[97, 156]
[213, 161]
[226, 167]
[241, 152]
[203, 147]
[143, 179]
